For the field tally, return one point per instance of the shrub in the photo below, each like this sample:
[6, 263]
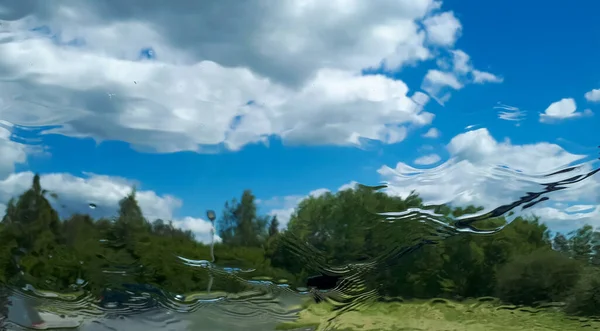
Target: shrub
[585, 297]
[542, 276]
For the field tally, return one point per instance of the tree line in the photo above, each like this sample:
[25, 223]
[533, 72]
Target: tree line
[523, 264]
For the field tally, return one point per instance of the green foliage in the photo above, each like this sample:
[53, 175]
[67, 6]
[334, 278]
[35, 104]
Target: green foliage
[561, 243]
[240, 225]
[348, 229]
[580, 243]
[585, 299]
[273, 226]
[542, 276]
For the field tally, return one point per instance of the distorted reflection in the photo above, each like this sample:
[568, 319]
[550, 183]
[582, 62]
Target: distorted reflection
[299, 165]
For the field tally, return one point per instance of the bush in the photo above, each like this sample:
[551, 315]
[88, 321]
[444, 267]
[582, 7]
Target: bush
[585, 297]
[542, 276]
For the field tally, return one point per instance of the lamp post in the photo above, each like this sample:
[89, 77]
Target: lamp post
[210, 214]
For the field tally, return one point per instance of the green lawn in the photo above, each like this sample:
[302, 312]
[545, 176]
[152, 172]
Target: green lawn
[443, 315]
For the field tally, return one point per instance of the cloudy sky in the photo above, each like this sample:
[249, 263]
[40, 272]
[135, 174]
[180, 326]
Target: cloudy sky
[194, 101]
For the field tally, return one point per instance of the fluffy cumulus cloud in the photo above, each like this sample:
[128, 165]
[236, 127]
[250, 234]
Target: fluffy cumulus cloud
[593, 95]
[442, 29]
[190, 77]
[99, 196]
[564, 108]
[561, 110]
[487, 172]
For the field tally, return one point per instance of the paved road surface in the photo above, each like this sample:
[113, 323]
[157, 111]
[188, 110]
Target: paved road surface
[163, 320]
[257, 314]
[221, 316]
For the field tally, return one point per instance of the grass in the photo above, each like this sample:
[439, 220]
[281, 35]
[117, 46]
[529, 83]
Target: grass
[440, 315]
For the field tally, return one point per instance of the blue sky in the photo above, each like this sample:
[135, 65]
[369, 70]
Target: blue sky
[534, 54]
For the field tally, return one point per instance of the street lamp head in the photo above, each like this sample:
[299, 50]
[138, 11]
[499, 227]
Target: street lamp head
[211, 215]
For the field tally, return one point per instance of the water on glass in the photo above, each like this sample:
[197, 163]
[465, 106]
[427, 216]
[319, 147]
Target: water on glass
[299, 165]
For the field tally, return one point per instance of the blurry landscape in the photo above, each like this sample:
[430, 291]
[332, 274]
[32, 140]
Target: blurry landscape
[365, 247]
[123, 122]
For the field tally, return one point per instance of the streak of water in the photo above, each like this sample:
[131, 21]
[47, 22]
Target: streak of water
[94, 92]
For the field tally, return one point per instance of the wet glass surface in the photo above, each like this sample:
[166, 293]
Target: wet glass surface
[299, 165]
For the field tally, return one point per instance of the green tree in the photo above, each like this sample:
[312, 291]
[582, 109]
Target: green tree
[130, 229]
[561, 244]
[32, 228]
[273, 226]
[595, 258]
[542, 276]
[581, 243]
[240, 224]
[347, 229]
[585, 298]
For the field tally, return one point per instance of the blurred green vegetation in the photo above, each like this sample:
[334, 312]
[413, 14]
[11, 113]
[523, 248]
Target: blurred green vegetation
[522, 264]
[439, 315]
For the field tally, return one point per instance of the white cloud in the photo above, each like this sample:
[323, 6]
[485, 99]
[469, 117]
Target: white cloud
[436, 77]
[560, 110]
[442, 29]
[299, 62]
[331, 108]
[510, 113]
[288, 41]
[457, 72]
[75, 194]
[432, 133]
[196, 105]
[486, 172]
[593, 95]
[287, 69]
[200, 228]
[11, 152]
[564, 221]
[563, 108]
[481, 77]
[437, 84]
[428, 159]
[461, 62]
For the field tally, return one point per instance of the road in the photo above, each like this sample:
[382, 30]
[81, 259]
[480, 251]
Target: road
[217, 316]
[165, 320]
[249, 312]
